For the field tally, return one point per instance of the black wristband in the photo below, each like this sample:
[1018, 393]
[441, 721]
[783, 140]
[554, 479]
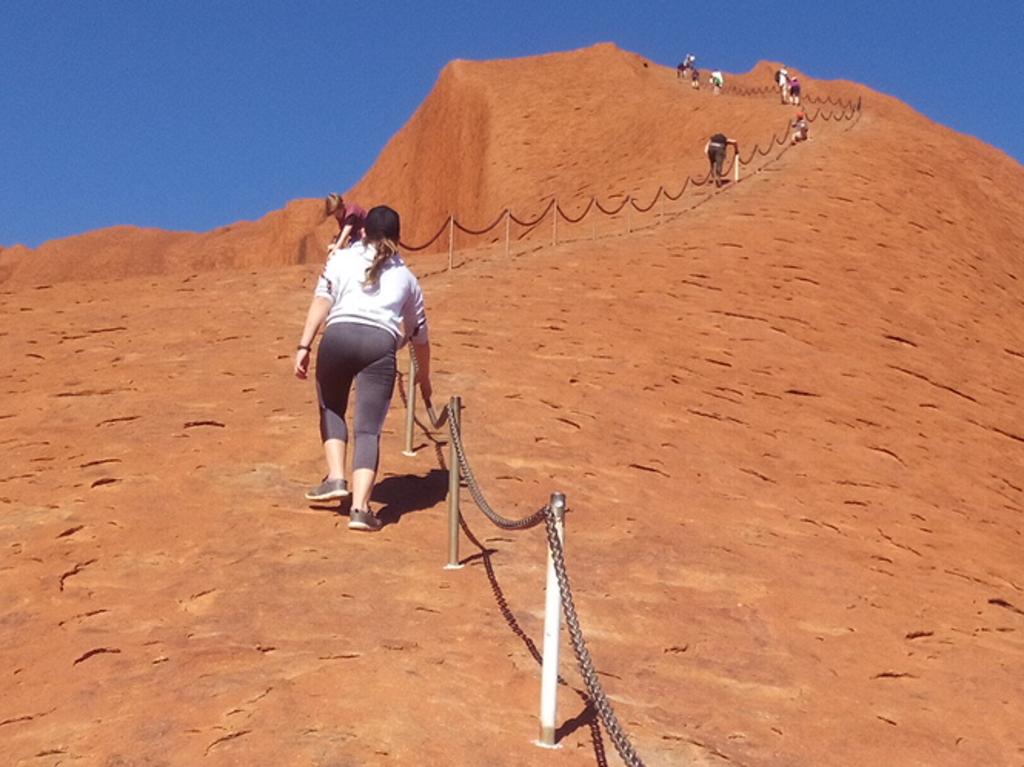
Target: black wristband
[301, 348]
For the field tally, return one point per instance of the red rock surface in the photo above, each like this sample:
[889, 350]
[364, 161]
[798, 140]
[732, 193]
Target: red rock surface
[787, 418]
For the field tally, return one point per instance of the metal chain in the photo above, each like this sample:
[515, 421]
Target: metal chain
[579, 646]
[436, 421]
[545, 514]
[454, 422]
[595, 691]
[855, 108]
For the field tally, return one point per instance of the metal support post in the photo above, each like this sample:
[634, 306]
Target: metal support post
[554, 224]
[508, 232]
[410, 405]
[451, 241]
[454, 485]
[552, 636]
[629, 216]
[736, 167]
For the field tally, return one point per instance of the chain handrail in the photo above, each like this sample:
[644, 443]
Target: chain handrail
[581, 216]
[639, 209]
[579, 646]
[753, 154]
[546, 514]
[534, 519]
[453, 223]
[537, 220]
[431, 241]
[436, 420]
[595, 691]
[601, 208]
[486, 229]
[681, 191]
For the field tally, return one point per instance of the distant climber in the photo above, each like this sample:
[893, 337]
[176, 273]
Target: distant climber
[717, 81]
[695, 79]
[801, 128]
[782, 81]
[350, 218]
[716, 149]
[794, 91]
[686, 65]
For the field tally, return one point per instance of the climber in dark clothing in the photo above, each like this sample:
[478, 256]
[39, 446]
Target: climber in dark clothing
[716, 149]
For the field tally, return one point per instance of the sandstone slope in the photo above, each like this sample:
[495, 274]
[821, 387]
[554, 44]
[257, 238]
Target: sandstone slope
[787, 421]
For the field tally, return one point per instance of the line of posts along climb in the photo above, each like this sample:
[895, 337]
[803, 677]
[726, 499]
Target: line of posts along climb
[553, 597]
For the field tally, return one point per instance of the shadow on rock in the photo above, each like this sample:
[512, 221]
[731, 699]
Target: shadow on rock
[401, 495]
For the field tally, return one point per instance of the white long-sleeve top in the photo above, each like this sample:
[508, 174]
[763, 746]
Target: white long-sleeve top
[395, 303]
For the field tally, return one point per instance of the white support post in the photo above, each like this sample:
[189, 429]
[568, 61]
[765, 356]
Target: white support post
[552, 637]
[736, 167]
[451, 241]
[508, 232]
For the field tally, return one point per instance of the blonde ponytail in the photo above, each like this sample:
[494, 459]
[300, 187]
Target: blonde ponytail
[384, 249]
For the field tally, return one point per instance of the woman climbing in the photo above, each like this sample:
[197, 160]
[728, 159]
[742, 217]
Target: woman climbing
[370, 303]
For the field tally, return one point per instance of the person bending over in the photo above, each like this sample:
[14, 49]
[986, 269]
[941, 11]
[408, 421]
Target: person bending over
[716, 149]
[801, 128]
[370, 303]
[350, 218]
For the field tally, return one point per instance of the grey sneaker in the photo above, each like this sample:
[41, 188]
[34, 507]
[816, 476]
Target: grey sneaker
[328, 490]
[364, 520]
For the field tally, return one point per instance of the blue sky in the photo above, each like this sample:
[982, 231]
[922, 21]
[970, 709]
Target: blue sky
[194, 114]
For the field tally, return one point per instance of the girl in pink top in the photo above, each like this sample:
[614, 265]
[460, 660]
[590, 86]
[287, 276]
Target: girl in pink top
[351, 219]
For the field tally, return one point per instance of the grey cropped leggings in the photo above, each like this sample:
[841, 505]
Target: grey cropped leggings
[366, 355]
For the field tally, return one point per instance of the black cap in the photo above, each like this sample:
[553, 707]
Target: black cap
[382, 223]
